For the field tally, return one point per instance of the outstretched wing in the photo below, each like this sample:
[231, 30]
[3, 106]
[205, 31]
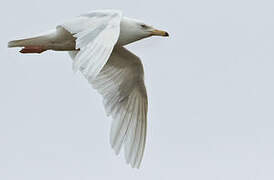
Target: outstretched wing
[124, 94]
[96, 34]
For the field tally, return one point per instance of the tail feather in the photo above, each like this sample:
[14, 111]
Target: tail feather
[36, 41]
[58, 40]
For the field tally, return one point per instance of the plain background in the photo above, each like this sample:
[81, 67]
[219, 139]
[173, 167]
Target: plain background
[210, 87]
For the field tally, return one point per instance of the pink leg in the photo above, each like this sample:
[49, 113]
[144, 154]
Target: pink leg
[32, 49]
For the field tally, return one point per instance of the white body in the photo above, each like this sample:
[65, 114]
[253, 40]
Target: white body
[95, 42]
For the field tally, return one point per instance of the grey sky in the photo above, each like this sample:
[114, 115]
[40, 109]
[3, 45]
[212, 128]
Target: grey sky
[210, 88]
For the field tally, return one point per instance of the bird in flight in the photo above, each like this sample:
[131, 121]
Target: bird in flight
[95, 42]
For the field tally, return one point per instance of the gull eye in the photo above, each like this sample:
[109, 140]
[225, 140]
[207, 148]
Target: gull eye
[144, 26]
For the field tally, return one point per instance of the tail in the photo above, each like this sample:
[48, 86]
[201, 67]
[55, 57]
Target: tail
[58, 40]
[31, 45]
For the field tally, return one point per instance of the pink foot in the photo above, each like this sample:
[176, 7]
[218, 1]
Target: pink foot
[32, 49]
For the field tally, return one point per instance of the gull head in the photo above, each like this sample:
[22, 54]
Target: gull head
[132, 30]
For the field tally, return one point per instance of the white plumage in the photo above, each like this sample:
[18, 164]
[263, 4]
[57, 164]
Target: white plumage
[95, 42]
[121, 84]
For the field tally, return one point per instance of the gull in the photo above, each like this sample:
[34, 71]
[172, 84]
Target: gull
[95, 41]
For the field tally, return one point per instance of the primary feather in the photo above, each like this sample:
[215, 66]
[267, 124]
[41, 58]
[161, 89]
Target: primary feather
[121, 84]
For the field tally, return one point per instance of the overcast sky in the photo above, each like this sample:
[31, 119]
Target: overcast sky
[210, 87]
